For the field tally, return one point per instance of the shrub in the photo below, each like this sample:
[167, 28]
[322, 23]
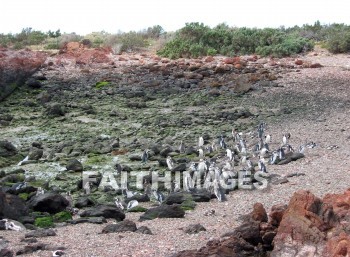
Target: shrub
[101, 84]
[339, 42]
[23, 196]
[62, 216]
[44, 222]
[196, 39]
[66, 38]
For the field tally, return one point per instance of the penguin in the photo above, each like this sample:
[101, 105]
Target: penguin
[170, 163]
[57, 253]
[145, 156]
[229, 154]
[200, 142]
[159, 196]
[119, 203]
[132, 204]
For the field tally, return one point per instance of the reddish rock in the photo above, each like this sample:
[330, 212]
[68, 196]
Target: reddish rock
[339, 202]
[276, 214]
[16, 67]
[259, 213]
[222, 69]
[298, 62]
[228, 247]
[304, 225]
[316, 65]
[238, 66]
[228, 60]
[307, 227]
[232, 60]
[338, 246]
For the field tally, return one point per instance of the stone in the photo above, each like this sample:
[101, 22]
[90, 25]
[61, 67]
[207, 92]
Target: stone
[35, 153]
[276, 214]
[194, 229]
[227, 247]
[16, 67]
[92, 220]
[84, 201]
[33, 83]
[181, 167]
[40, 233]
[6, 253]
[316, 65]
[303, 223]
[48, 202]
[31, 248]
[177, 198]
[163, 211]
[298, 62]
[55, 110]
[259, 213]
[7, 149]
[123, 226]
[144, 230]
[106, 211]
[12, 207]
[74, 165]
[201, 196]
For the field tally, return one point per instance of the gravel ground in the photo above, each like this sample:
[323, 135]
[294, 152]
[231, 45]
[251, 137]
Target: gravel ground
[321, 94]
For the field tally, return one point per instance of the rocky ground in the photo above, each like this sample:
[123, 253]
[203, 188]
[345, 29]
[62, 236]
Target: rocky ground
[101, 109]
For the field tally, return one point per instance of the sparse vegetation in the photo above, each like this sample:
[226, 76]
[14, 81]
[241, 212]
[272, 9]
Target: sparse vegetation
[62, 216]
[196, 39]
[102, 84]
[44, 222]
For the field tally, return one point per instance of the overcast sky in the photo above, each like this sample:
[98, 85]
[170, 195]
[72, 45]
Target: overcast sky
[112, 16]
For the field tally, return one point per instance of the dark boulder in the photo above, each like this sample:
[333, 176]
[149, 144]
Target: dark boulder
[144, 230]
[84, 201]
[177, 198]
[194, 229]
[163, 211]
[92, 220]
[12, 207]
[40, 233]
[123, 226]
[35, 153]
[7, 149]
[74, 165]
[106, 211]
[6, 253]
[33, 83]
[181, 167]
[201, 196]
[55, 110]
[48, 202]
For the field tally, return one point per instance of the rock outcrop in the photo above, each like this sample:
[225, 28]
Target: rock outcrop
[16, 67]
[308, 226]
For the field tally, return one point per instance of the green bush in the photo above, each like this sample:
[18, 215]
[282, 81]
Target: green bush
[23, 196]
[62, 216]
[102, 84]
[339, 42]
[196, 39]
[44, 222]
